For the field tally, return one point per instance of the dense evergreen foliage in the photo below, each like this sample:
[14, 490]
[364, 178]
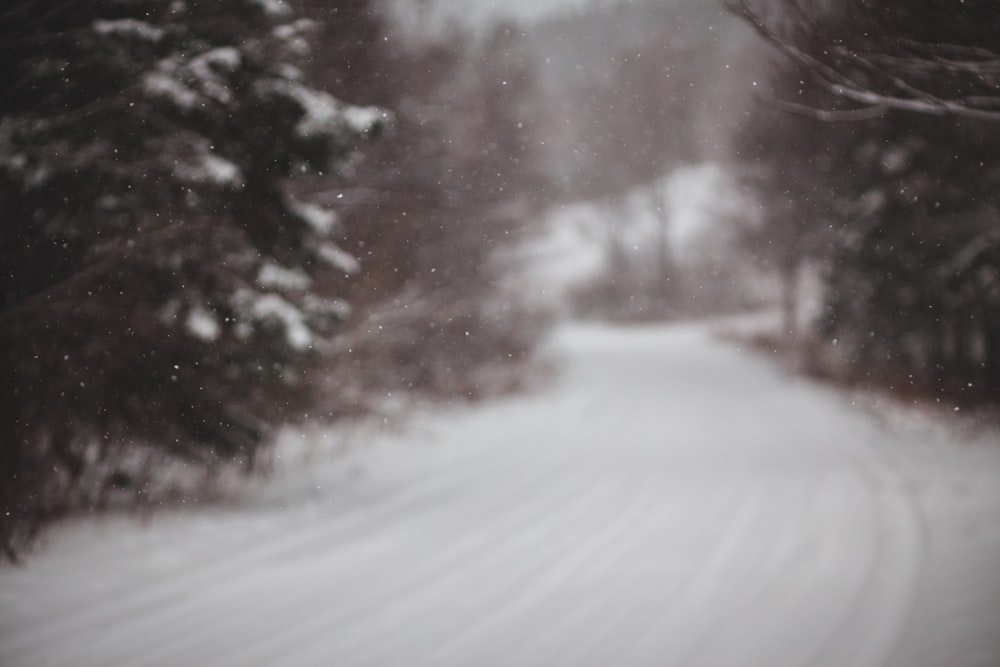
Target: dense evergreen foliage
[877, 161]
[156, 268]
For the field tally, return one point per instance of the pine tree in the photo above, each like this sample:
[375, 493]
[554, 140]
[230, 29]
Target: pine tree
[157, 271]
[883, 137]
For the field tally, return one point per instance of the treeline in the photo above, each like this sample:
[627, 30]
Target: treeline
[222, 217]
[428, 211]
[634, 105]
[875, 158]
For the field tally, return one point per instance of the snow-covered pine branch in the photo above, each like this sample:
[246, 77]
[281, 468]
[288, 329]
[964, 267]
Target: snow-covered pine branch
[161, 285]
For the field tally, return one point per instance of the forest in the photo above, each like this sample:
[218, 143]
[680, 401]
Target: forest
[223, 218]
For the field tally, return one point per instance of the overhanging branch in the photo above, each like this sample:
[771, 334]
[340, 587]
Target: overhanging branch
[899, 93]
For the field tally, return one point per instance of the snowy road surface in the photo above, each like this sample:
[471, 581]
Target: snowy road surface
[667, 500]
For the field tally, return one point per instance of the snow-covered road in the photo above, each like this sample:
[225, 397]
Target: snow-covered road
[666, 500]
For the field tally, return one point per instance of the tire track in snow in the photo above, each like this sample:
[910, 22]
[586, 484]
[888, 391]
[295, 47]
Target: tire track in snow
[664, 620]
[157, 601]
[745, 630]
[507, 628]
[408, 582]
[602, 628]
[246, 556]
[877, 616]
[778, 545]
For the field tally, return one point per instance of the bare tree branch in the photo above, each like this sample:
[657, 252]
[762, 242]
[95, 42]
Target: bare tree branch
[832, 115]
[934, 60]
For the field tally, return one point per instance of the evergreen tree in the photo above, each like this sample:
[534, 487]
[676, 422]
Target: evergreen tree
[156, 268]
[883, 139]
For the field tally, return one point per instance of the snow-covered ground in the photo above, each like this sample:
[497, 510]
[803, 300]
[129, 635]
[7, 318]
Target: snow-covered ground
[665, 500]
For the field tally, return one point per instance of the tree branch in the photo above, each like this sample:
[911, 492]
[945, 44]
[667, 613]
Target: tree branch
[833, 115]
[912, 98]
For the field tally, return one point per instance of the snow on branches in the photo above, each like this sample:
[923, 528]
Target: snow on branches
[159, 276]
[888, 58]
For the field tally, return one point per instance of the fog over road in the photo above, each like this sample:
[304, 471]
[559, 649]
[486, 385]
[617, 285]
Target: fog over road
[665, 499]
